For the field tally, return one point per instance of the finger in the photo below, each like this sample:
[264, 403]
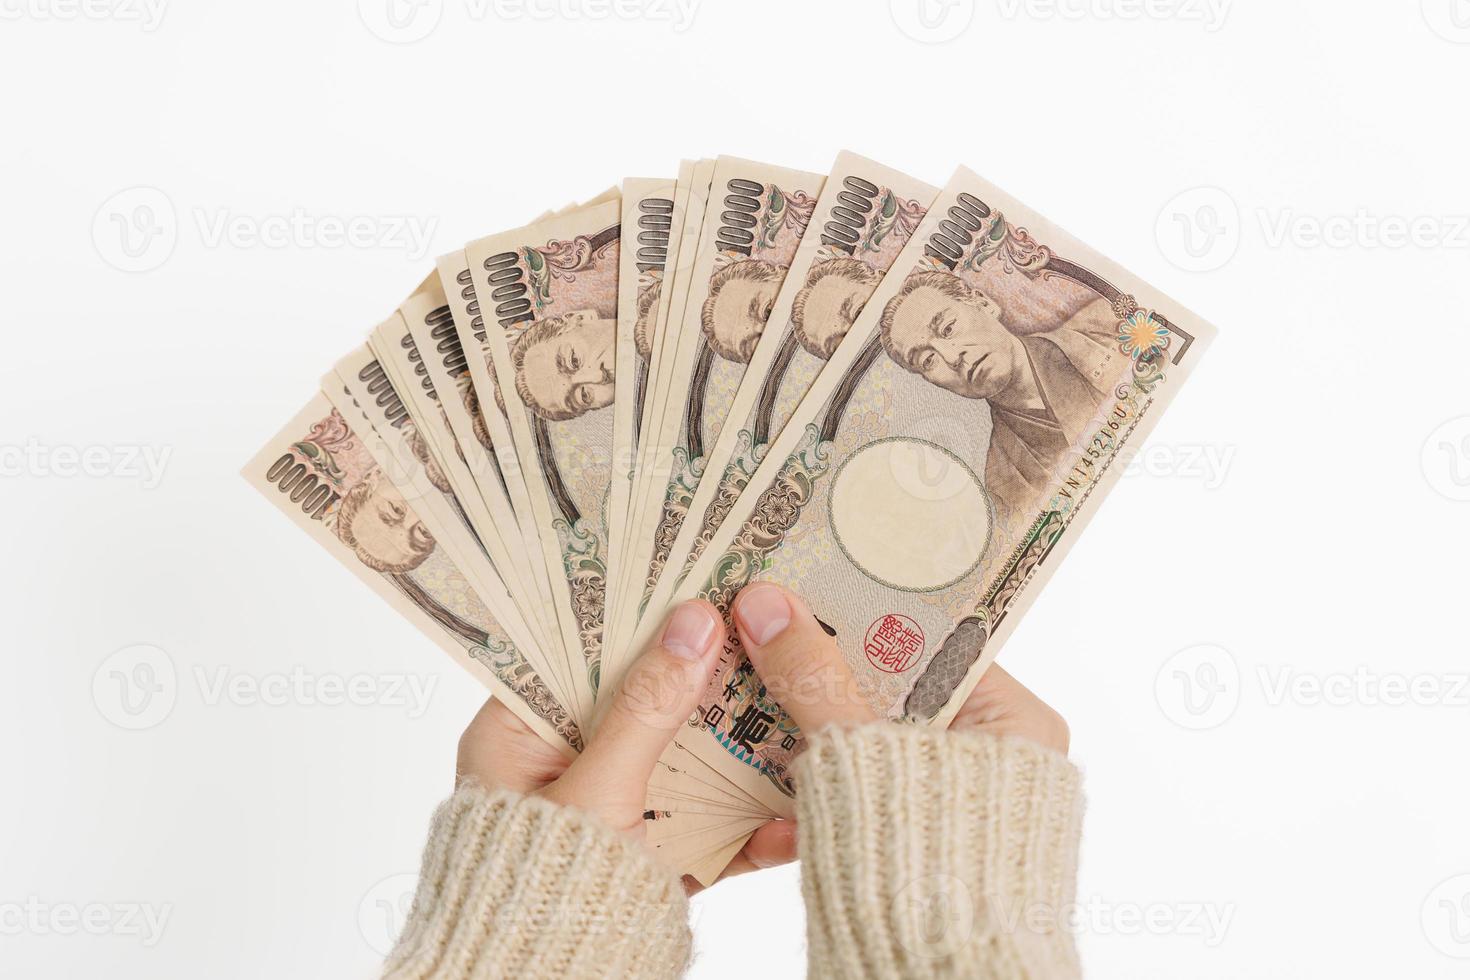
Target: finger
[995, 693]
[659, 692]
[796, 659]
[1002, 705]
[771, 846]
[499, 751]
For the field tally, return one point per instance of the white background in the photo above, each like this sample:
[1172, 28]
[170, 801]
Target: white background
[1299, 518]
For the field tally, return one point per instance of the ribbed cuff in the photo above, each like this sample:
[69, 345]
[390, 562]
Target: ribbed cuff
[518, 886]
[933, 853]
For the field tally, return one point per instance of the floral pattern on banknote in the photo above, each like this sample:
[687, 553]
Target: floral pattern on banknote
[785, 211]
[561, 260]
[508, 665]
[683, 481]
[742, 466]
[736, 708]
[893, 213]
[586, 572]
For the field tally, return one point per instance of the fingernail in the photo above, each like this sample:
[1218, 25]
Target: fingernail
[689, 631]
[763, 612]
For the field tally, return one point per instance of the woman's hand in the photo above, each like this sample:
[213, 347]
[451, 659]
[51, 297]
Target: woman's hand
[610, 778]
[804, 671]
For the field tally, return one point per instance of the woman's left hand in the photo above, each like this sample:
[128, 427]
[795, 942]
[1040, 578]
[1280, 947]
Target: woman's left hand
[610, 778]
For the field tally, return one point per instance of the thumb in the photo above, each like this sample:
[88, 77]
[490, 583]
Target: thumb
[659, 692]
[799, 663]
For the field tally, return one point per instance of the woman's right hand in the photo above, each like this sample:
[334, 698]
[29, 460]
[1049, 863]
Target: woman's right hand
[805, 672]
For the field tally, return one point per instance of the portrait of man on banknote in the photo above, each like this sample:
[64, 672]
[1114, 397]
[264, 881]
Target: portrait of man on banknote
[739, 303]
[829, 301]
[643, 325]
[382, 532]
[564, 365]
[420, 447]
[1042, 387]
[477, 417]
[376, 523]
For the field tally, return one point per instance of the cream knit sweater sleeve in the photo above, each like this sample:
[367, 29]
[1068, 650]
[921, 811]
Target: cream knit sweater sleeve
[924, 854]
[516, 886]
[937, 854]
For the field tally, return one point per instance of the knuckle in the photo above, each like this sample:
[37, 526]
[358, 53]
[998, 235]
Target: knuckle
[805, 682]
[653, 694]
[808, 670]
[1062, 732]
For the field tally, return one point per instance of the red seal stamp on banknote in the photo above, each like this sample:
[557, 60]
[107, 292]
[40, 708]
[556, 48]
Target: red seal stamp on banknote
[893, 643]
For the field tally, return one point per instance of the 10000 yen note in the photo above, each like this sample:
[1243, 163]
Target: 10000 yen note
[863, 219]
[318, 472]
[365, 394]
[469, 326]
[397, 352]
[935, 474]
[549, 302]
[650, 239]
[691, 190]
[755, 218]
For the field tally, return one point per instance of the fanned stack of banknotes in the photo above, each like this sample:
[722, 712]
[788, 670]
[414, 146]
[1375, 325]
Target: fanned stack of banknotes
[900, 401]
